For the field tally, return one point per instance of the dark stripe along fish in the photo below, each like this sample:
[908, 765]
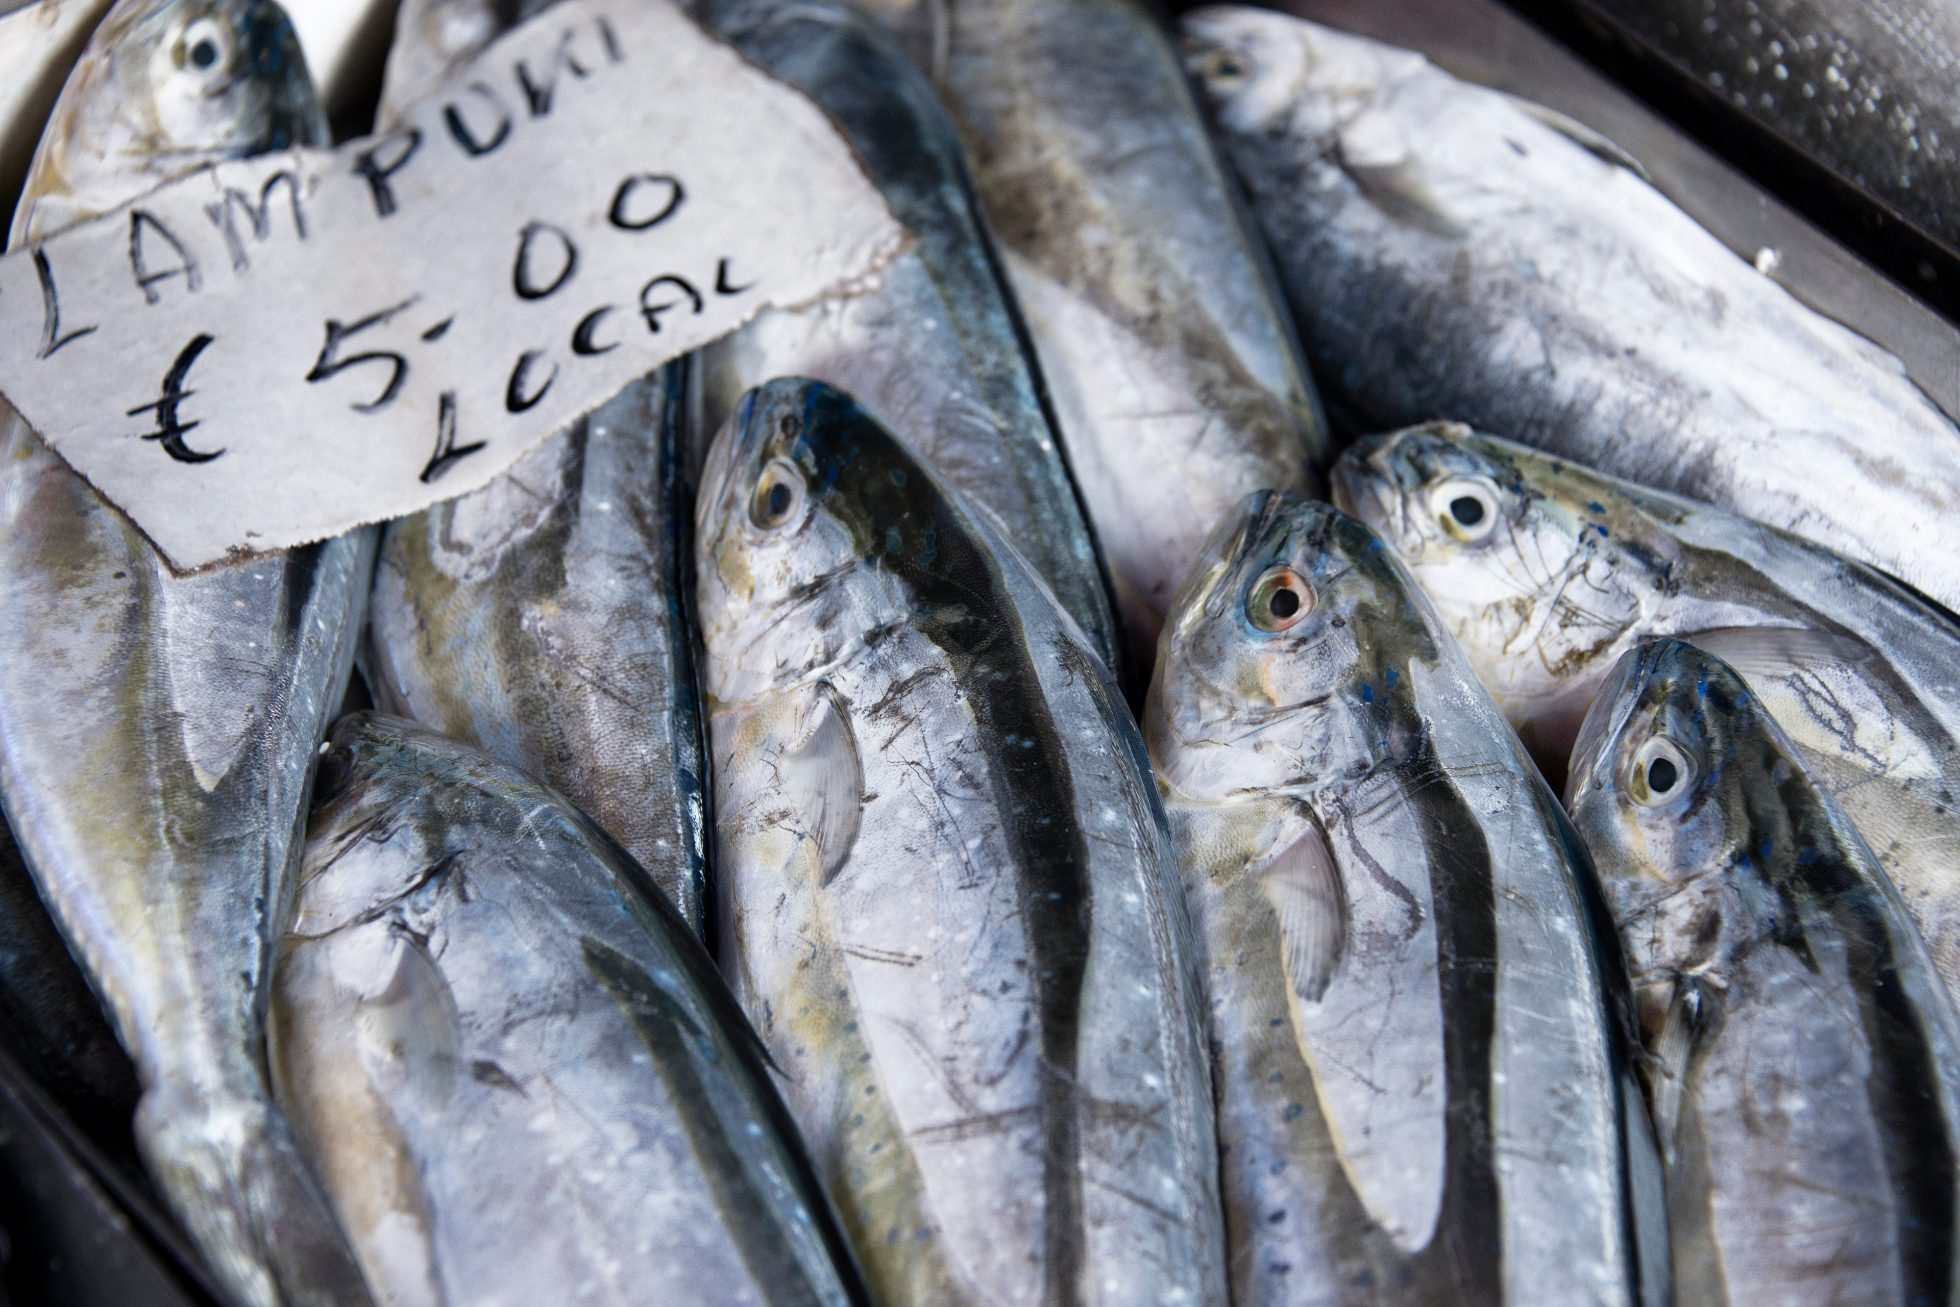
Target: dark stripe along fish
[1802, 1055]
[156, 731]
[949, 900]
[1419, 1025]
[514, 1063]
[937, 349]
[541, 617]
[1547, 572]
[1454, 253]
[1153, 308]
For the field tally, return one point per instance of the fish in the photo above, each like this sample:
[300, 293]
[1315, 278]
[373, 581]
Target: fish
[541, 618]
[949, 901]
[1453, 253]
[1177, 379]
[514, 1063]
[1802, 1056]
[1420, 1026]
[938, 351]
[1858, 87]
[1547, 573]
[157, 731]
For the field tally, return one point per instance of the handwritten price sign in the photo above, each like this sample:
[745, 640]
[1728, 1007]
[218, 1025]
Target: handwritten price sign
[272, 352]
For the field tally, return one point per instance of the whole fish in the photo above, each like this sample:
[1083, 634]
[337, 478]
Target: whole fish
[937, 351]
[1547, 573]
[514, 1063]
[1452, 252]
[541, 617]
[1802, 1057]
[1862, 88]
[156, 731]
[949, 899]
[1172, 363]
[1419, 1023]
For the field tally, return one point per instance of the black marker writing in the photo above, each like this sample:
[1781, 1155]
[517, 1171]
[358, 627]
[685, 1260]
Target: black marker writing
[447, 450]
[223, 215]
[140, 222]
[170, 429]
[51, 336]
[339, 333]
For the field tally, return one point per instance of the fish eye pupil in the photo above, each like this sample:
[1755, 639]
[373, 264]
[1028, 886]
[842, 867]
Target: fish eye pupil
[1284, 603]
[1468, 510]
[1662, 775]
[204, 53]
[779, 497]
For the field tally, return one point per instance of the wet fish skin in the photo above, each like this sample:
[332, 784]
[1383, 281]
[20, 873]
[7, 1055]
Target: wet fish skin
[1858, 87]
[156, 731]
[1802, 1055]
[1418, 1018]
[540, 618]
[948, 898]
[1452, 252]
[938, 351]
[1172, 363]
[512, 1059]
[1567, 569]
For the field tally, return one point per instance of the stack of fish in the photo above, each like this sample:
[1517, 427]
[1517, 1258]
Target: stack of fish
[758, 889]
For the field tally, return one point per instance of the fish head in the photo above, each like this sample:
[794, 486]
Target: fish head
[1674, 789]
[166, 87]
[1261, 71]
[1276, 669]
[783, 532]
[1536, 565]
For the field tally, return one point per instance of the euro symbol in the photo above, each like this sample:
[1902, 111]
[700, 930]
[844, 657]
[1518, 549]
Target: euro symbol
[169, 429]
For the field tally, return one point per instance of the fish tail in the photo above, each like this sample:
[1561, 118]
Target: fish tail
[235, 1176]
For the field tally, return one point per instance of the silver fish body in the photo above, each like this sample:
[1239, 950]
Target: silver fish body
[937, 350]
[514, 1063]
[1562, 570]
[949, 899]
[540, 619]
[1861, 88]
[1452, 252]
[1420, 1034]
[1176, 376]
[157, 732]
[1802, 1056]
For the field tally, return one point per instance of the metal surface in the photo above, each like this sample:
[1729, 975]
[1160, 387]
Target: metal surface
[1482, 41]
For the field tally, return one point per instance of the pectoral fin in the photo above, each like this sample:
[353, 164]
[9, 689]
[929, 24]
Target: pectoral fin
[1374, 151]
[823, 776]
[1584, 137]
[1780, 650]
[1356, 909]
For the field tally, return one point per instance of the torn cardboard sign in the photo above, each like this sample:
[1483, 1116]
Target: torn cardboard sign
[271, 352]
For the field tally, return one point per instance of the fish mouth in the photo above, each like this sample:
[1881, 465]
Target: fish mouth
[1614, 703]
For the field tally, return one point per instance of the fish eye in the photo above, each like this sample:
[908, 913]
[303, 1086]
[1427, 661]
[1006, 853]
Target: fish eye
[1225, 68]
[1279, 600]
[1661, 773]
[205, 46]
[1466, 506]
[778, 494]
